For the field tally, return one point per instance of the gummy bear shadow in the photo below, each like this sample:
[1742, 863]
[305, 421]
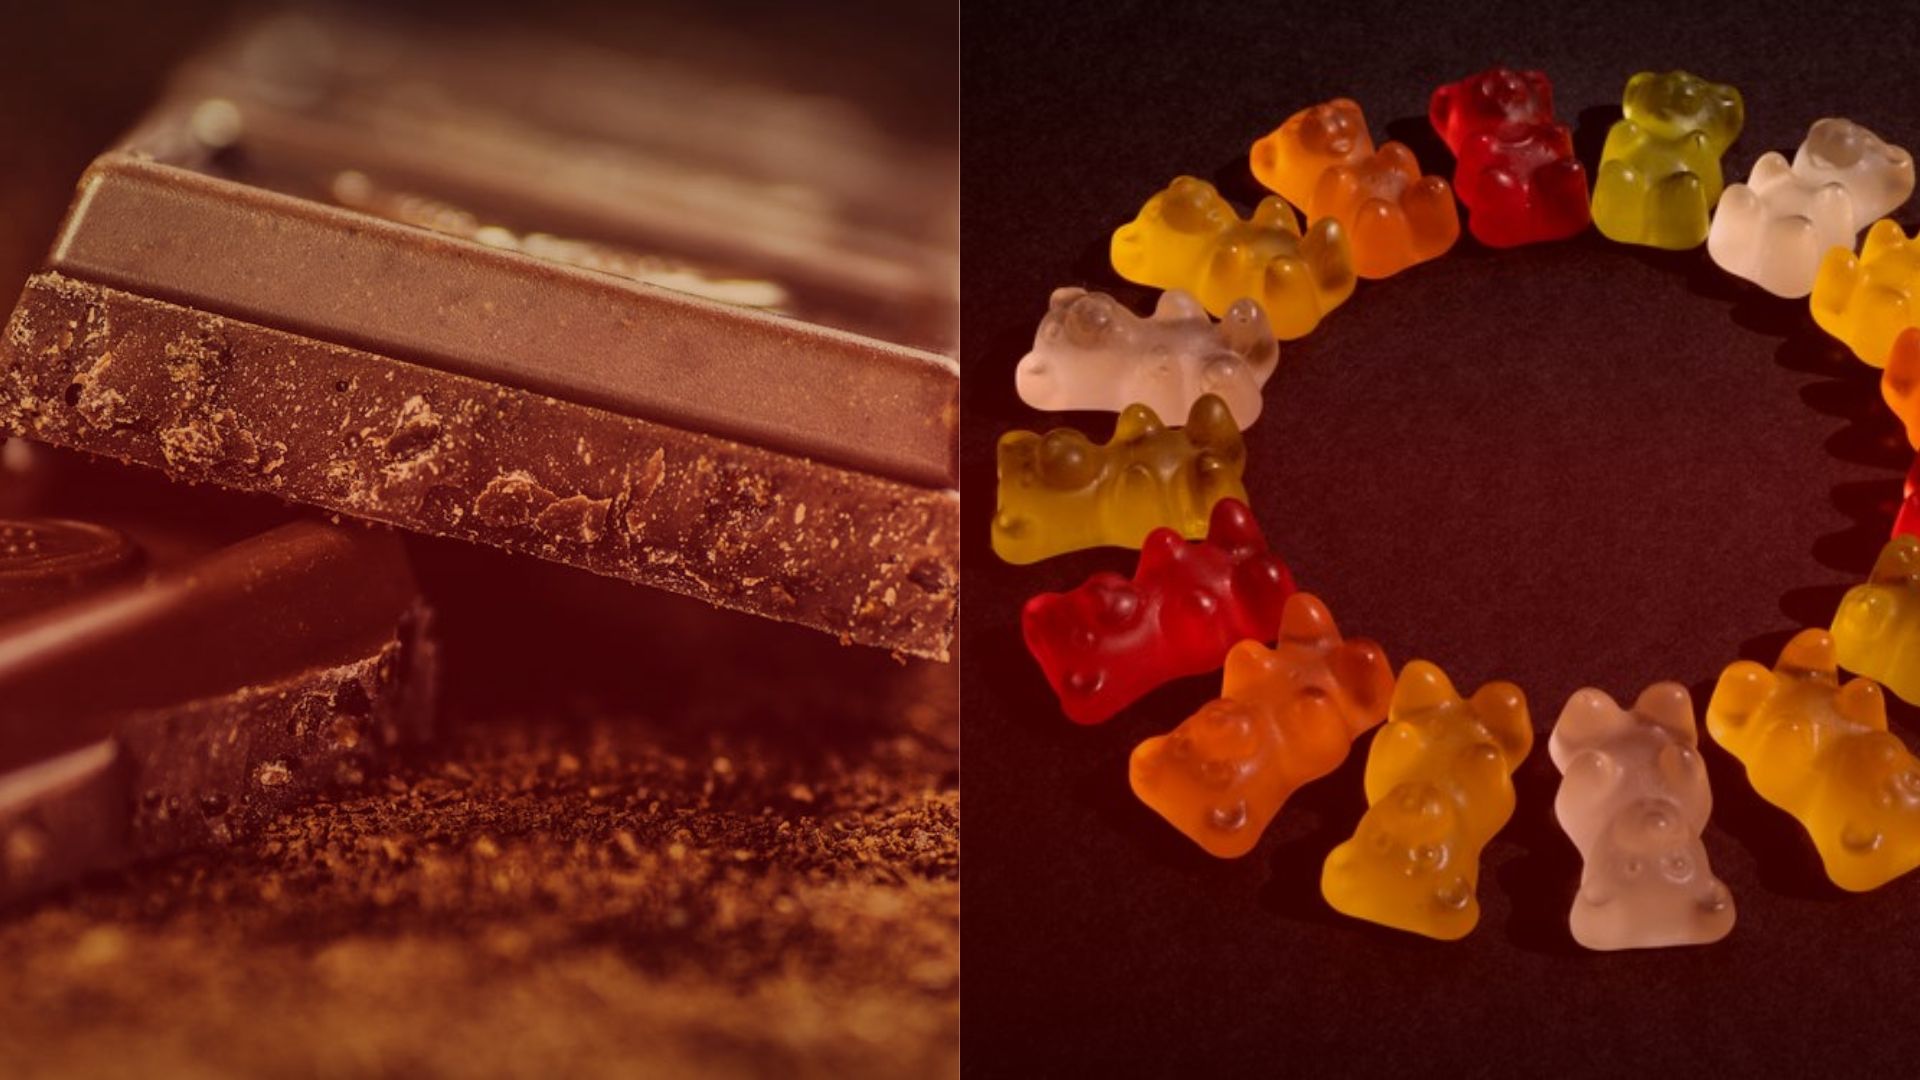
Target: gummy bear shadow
[1314, 821]
[1093, 268]
[1782, 854]
[1540, 883]
[1590, 134]
[1418, 135]
[1236, 182]
[1103, 788]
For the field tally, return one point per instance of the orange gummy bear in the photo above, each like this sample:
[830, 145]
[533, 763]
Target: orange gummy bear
[1290, 159]
[1394, 216]
[1900, 383]
[1285, 716]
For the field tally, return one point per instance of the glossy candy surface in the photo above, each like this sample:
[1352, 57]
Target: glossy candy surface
[1876, 631]
[1285, 716]
[1907, 521]
[1866, 300]
[1394, 217]
[1900, 382]
[1821, 751]
[1516, 170]
[1092, 353]
[1188, 237]
[1634, 798]
[1878, 176]
[1111, 640]
[1774, 229]
[1660, 167]
[1291, 158]
[1439, 786]
[1060, 492]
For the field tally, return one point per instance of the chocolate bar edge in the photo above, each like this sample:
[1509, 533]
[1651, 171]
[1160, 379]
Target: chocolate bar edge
[223, 401]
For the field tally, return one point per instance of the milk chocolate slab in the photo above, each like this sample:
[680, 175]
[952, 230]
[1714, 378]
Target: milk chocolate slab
[166, 685]
[355, 276]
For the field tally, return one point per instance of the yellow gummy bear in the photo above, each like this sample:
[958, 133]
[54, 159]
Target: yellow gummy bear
[1188, 237]
[1877, 628]
[1866, 300]
[1439, 786]
[1660, 167]
[1059, 492]
[1821, 752]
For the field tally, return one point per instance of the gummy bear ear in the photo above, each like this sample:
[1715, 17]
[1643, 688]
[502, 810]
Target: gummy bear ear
[1810, 653]
[1502, 707]
[1178, 304]
[1421, 686]
[1360, 668]
[1899, 562]
[1440, 110]
[1669, 705]
[1163, 546]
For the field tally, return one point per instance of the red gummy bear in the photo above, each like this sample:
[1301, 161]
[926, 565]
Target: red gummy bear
[1489, 101]
[1517, 173]
[1107, 643]
[1908, 522]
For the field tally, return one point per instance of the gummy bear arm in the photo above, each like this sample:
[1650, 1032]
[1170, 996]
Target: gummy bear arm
[1743, 687]
[1503, 708]
[1623, 139]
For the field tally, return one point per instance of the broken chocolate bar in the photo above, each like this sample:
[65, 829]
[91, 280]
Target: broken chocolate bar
[341, 267]
[174, 671]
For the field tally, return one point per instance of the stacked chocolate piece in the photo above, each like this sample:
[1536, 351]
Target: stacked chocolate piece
[626, 316]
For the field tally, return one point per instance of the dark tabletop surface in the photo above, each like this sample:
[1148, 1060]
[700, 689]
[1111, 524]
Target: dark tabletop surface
[1566, 465]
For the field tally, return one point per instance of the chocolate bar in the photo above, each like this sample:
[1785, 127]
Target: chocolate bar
[174, 670]
[616, 318]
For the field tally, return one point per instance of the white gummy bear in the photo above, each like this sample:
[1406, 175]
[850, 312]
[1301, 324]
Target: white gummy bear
[1092, 353]
[1877, 176]
[1634, 798]
[1774, 229]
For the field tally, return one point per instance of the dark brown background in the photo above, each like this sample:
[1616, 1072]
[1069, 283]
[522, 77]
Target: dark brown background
[1565, 465]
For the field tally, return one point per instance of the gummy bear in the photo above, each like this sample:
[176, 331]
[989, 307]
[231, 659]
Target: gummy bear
[1516, 171]
[1900, 383]
[1285, 716]
[1660, 167]
[1092, 353]
[1311, 141]
[1877, 628]
[1439, 785]
[1877, 175]
[1907, 522]
[1394, 217]
[1108, 642]
[1865, 300]
[1059, 492]
[1634, 798]
[1187, 237]
[1481, 104]
[1774, 229]
[1821, 752]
